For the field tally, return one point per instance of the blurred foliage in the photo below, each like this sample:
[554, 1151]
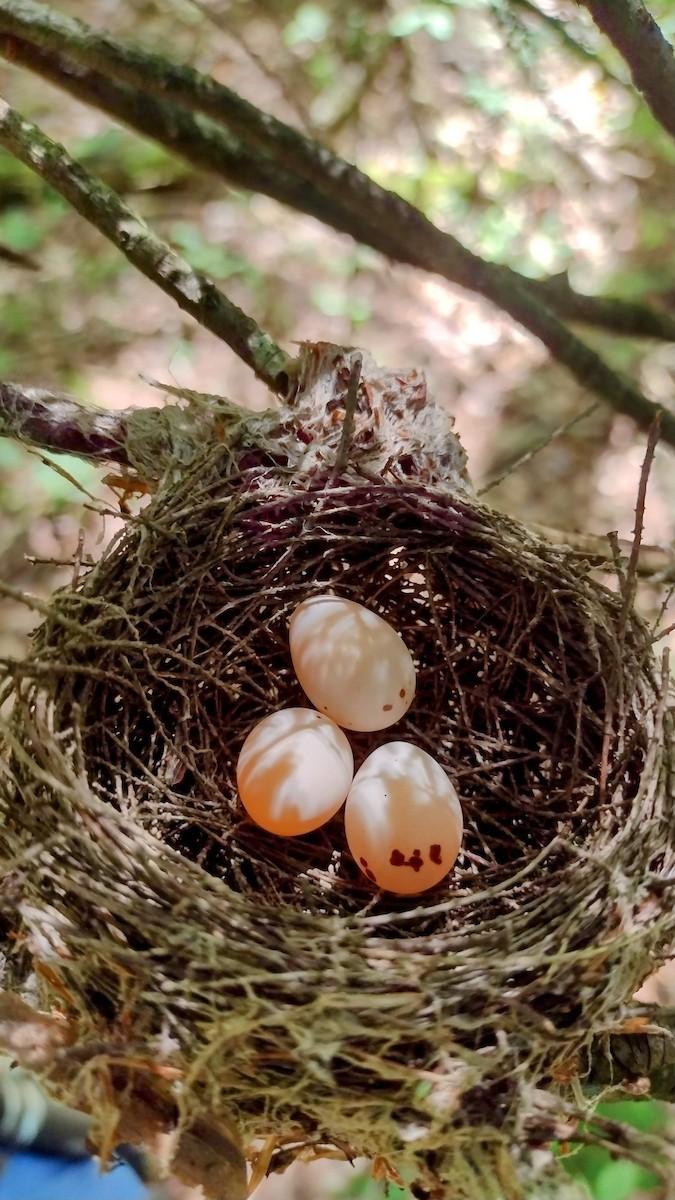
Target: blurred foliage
[609, 1178]
[362, 1186]
[509, 122]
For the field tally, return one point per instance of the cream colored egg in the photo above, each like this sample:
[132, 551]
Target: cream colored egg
[294, 771]
[403, 819]
[351, 663]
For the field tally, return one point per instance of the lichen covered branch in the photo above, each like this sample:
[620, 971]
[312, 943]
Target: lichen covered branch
[193, 291]
[53, 421]
[196, 139]
[212, 148]
[391, 222]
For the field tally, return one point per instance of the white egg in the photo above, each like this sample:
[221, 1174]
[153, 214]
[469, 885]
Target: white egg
[351, 663]
[294, 771]
[403, 819]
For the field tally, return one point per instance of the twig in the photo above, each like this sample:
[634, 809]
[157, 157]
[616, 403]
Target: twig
[351, 399]
[633, 31]
[193, 291]
[632, 568]
[519, 462]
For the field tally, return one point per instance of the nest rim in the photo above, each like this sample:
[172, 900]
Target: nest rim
[430, 944]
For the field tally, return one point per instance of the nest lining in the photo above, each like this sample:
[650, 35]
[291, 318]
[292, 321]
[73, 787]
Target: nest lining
[293, 994]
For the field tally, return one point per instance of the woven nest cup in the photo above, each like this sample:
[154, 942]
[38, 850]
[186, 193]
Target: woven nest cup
[263, 976]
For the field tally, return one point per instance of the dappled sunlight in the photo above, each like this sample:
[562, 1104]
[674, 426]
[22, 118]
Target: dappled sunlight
[294, 771]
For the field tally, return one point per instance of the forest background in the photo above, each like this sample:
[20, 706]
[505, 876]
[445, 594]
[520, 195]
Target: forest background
[512, 124]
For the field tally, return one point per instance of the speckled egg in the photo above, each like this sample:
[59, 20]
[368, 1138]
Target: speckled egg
[294, 771]
[403, 819]
[351, 663]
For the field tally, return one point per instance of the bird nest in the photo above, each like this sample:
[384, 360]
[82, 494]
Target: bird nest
[266, 972]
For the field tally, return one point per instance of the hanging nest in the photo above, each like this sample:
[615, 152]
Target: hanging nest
[265, 972]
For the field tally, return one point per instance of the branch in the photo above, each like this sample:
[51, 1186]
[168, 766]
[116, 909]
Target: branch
[391, 225]
[53, 421]
[606, 312]
[635, 34]
[554, 1120]
[212, 149]
[196, 139]
[193, 291]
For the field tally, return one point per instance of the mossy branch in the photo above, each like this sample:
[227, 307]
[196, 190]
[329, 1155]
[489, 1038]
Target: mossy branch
[392, 225]
[633, 31]
[211, 148]
[196, 139]
[193, 291]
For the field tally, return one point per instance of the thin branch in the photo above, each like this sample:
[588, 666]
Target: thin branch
[351, 398]
[53, 421]
[633, 31]
[193, 291]
[392, 222]
[634, 558]
[216, 150]
[542, 444]
[607, 312]
[195, 138]
[553, 1120]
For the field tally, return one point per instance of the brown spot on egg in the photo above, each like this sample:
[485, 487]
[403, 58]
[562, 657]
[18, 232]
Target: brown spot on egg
[435, 854]
[398, 859]
[402, 693]
[387, 707]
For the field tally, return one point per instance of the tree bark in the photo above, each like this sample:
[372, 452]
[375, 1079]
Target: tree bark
[390, 221]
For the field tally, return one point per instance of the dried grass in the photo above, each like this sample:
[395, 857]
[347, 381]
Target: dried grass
[266, 969]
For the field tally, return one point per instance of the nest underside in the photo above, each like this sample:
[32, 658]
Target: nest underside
[269, 969]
